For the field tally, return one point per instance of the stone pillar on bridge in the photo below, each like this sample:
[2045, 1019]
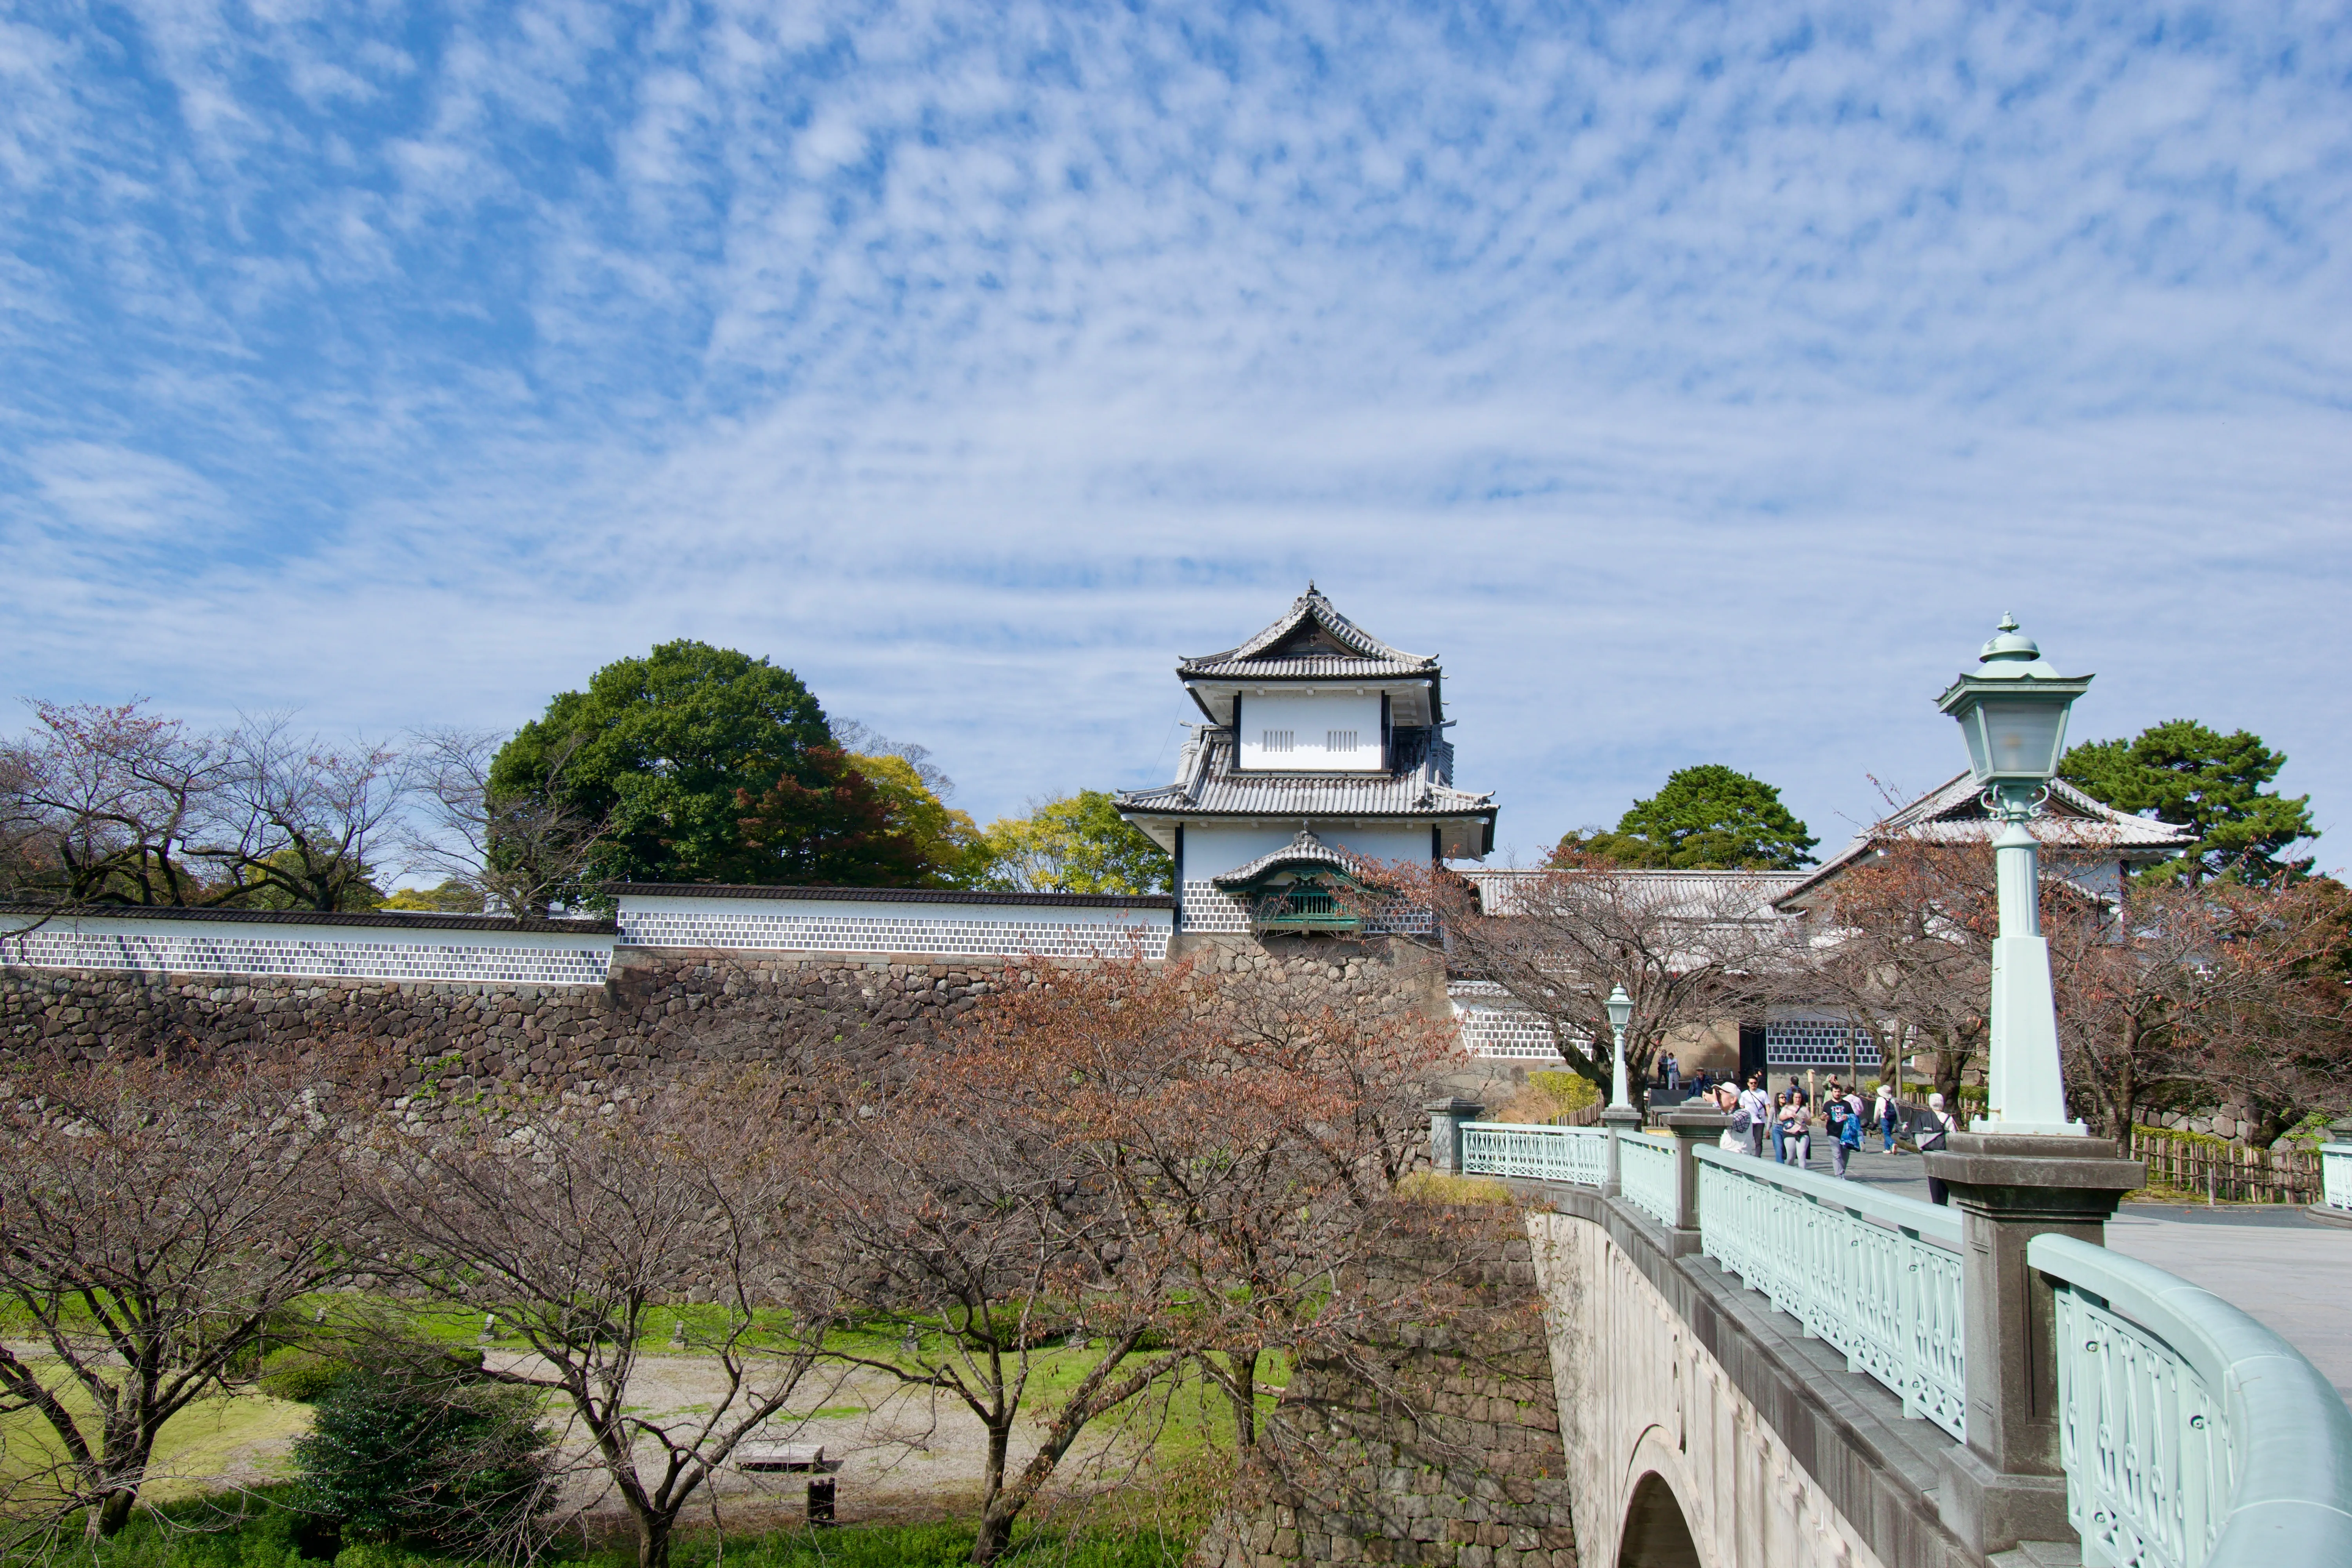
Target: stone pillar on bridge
[2006, 1484]
[1690, 1129]
[1445, 1119]
[1619, 1120]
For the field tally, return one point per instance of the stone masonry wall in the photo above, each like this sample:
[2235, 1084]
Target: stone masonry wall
[1442, 1447]
[659, 1007]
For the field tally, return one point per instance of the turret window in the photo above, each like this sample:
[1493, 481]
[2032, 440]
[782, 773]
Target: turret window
[1279, 740]
[1340, 740]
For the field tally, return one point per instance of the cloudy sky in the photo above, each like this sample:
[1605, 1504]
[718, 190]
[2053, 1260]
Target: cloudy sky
[1702, 382]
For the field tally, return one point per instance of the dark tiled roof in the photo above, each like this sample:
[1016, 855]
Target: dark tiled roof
[1954, 813]
[1304, 849]
[891, 895]
[1311, 641]
[1420, 786]
[416, 920]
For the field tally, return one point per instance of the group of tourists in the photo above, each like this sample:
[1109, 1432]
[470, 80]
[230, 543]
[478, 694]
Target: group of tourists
[1783, 1122]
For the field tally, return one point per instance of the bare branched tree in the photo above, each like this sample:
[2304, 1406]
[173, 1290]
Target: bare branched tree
[2237, 989]
[521, 851]
[1690, 948]
[573, 1228]
[96, 805]
[1901, 946]
[295, 818]
[154, 1217]
[1249, 1155]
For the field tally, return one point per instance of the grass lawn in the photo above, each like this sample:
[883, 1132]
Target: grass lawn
[226, 1438]
[256, 1529]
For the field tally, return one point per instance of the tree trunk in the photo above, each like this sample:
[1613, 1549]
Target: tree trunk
[1242, 1394]
[113, 1513]
[995, 1520]
[652, 1538]
[2124, 1093]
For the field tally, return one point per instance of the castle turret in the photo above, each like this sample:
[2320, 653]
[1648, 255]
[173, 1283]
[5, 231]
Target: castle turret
[1323, 749]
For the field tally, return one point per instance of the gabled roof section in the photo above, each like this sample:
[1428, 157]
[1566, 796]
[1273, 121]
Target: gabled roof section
[1420, 786]
[1311, 641]
[1954, 813]
[1706, 896]
[1305, 852]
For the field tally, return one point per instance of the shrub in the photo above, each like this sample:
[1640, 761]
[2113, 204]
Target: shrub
[1548, 1096]
[301, 1375]
[427, 1453]
[1437, 1187]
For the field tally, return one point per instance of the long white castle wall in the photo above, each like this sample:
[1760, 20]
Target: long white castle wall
[341, 949]
[948, 928]
[493, 952]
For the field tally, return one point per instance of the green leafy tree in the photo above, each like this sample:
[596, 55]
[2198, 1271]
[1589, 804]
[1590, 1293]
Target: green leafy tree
[1078, 844]
[665, 751]
[1708, 818]
[2182, 772]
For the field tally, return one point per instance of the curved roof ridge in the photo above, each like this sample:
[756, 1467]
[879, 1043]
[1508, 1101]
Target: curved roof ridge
[1312, 605]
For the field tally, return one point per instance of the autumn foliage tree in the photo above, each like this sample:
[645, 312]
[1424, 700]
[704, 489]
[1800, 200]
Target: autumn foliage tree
[1167, 1164]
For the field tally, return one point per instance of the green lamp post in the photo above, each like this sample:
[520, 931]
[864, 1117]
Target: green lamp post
[2013, 713]
[1620, 1013]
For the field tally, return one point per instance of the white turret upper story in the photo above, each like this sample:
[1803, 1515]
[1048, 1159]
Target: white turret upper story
[1323, 746]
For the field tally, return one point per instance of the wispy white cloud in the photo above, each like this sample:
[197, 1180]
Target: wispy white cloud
[1701, 382]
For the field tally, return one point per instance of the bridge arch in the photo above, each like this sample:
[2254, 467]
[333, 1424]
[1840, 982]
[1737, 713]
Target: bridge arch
[1655, 1533]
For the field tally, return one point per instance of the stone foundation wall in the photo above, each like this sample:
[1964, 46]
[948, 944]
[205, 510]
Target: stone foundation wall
[1442, 1448]
[659, 1007]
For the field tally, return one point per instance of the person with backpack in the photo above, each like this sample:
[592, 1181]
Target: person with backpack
[1934, 1128]
[1886, 1115]
[1844, 1130]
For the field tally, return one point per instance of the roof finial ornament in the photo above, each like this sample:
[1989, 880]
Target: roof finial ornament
[1311, 584]
[2010, 644]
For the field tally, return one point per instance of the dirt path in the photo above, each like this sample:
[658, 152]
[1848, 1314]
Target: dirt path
[891, 1453]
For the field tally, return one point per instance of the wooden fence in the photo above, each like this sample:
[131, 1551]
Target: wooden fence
[2227, 1171]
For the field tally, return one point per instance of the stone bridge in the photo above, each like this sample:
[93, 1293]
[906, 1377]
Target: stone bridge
[1727, 1363]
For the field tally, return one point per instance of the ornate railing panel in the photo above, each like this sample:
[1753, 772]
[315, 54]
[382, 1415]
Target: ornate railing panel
[1645, 1174]
[2336, 1175]
[2191, 1435]
[1535, 1152]
[1877, 1276]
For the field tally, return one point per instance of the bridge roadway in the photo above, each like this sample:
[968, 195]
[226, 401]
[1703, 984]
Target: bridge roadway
[2274, 1262]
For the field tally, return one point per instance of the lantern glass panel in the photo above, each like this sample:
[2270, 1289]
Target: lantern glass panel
[1972, 727]
[2020, 739]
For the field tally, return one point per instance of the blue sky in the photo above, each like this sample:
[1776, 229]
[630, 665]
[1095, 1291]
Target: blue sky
[1701, 382]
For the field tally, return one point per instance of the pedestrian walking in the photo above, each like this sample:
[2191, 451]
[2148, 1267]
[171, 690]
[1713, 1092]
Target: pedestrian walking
[1758, 1106]
[1844, 1130]
[1931, 1141]
[1673, 1074]
[1797, 1131]
[1886, 1115]
[1738, 1138]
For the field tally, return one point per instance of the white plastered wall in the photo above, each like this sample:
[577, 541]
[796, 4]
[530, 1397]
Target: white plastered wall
[1310, 721]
